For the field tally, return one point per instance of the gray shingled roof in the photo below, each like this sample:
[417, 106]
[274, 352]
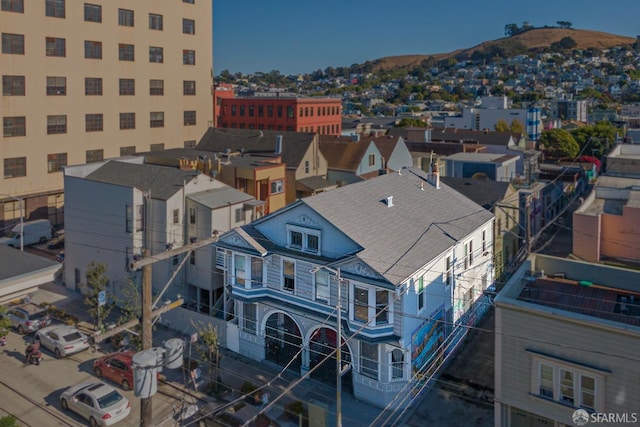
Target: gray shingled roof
[163, 181]
[218, 197]
[294, 144]
[485, 192]
[400, 239]
[15, 263]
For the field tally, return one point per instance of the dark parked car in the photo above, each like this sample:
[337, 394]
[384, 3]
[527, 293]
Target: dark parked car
[56, 243]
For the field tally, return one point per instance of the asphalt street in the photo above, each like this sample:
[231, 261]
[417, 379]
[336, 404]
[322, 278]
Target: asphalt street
[31, 393]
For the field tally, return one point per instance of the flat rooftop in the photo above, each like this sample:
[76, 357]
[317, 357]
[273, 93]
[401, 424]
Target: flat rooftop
[583, 297]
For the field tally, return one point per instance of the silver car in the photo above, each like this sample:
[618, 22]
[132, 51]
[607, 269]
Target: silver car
[97, 402]
[29, 317]
[62, 340]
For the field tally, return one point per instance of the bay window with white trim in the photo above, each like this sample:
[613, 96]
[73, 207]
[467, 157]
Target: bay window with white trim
[370, 304]
[369, 360]
[322, 280]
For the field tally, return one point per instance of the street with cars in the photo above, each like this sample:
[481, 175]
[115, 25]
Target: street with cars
[32, 394]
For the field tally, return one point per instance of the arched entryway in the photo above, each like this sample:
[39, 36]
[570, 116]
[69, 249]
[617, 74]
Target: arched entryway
[323, 342]
[282, 340]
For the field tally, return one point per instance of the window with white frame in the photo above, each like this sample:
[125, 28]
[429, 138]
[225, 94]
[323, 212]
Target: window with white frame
[322, 286]
[397, 364]
[256, 271]
[176, 216]
[361, 304]
[382, 307]
[420, 293]
[470, 253]
[192, 215]
[303, 239]
[568, 383]
[239, 213]
[239, 269]
[277, 186]
[369, 360]
[288, 275]
[448, 271]
[250, 316]
[484, 241]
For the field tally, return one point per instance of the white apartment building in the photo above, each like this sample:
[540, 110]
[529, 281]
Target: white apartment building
[83, 82]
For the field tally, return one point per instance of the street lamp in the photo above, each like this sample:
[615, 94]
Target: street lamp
[18, 199]
[338, 343]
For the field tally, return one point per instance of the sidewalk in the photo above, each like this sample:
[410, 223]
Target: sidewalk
[234, 370]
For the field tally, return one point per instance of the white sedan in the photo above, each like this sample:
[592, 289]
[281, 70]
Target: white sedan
[97, 402]
[62, 340]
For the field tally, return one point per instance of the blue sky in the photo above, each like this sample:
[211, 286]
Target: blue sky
[301, 36]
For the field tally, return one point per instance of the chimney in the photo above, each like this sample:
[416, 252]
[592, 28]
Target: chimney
[433, 177]
[389, 201]
[278, 144]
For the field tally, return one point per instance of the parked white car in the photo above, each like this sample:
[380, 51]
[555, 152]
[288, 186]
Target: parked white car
[62, 340]
[97, 402]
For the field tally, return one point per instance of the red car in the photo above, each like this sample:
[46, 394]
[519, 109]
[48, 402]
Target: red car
[116, 367]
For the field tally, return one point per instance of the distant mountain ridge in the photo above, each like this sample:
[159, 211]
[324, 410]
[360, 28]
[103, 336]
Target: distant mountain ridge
[535, 40]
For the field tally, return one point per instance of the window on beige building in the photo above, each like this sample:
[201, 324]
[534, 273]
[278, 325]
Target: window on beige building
[56, 124]
[93, 86]
[189, 87]
[95, 156]
[188, 26]
[56, 46]
[55, 162]
[156, 119]
[92, 50]
[156, 87]
[92, 12]
[125, 17]
[127, 121]
[189, 118]
[56, 86]
[126, 52]
[14, 126]
[16, 6]
[157, 147]
[15, 167]
[55, 8]
[93, 122]
[189, 57]
[13, 43]
[128, 151]
[13, 86]
[155, 21]
[156, 54]
[127, 86]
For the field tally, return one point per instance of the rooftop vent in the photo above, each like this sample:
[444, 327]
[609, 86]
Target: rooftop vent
[388, 201]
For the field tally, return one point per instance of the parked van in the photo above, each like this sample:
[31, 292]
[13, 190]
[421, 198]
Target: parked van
[38, 231]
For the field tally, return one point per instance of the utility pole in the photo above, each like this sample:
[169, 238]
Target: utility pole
[147, 303]
[147, 337]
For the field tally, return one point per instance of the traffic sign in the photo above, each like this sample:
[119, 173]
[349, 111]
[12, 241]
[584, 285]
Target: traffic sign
[102, 298]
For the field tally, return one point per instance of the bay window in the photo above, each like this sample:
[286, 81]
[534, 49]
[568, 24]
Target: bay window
[369, 360]
[239, 269]
[361, 304]
[288, 276]
[322, 286]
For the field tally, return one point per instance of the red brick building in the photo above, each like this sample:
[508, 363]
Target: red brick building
[277, 112]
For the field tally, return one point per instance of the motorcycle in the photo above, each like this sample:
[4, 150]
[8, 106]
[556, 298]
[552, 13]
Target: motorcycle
[33, 356]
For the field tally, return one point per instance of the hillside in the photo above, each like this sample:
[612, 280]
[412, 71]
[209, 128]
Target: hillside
[535, 40]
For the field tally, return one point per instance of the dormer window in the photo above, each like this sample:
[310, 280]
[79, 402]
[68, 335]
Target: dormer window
[303, 239]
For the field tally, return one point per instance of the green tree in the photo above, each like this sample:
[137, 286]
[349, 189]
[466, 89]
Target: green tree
[97, 282]
[5, 323]
[559, 143]
[501, 126]
[517, 126]
[209, 351]
[8, 421]
[596, 137]
[408, 122]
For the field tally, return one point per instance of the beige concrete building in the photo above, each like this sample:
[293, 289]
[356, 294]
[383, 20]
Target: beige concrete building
[567, 335]
[83, 82]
